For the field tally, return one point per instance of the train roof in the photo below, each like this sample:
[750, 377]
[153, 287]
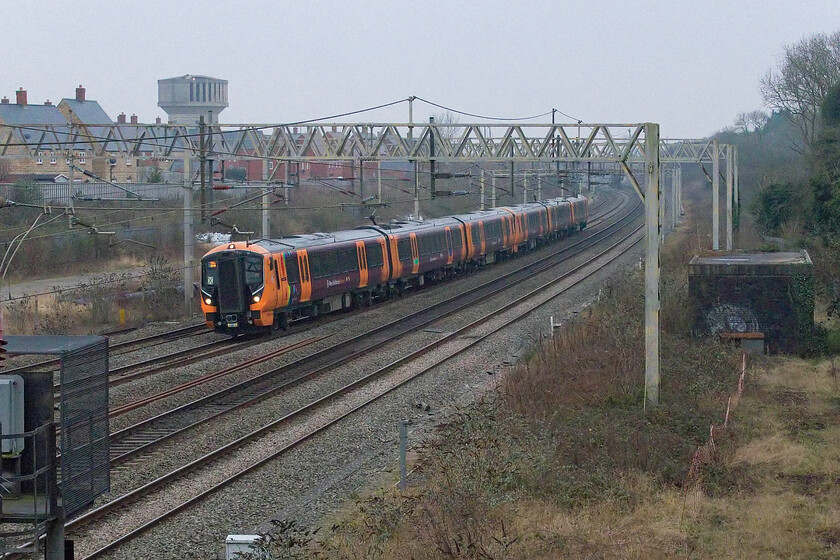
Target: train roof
[401, 226]
[480, 215]
[304, 240]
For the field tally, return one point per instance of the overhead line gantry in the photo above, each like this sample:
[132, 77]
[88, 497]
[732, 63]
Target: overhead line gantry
[634, 147]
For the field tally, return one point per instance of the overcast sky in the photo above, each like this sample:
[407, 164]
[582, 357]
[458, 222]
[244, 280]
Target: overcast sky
[690, 66]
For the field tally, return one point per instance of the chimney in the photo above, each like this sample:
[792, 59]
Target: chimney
[5, 100]
[296, 130]
[334, 128]
[157, 120]
[48, 103]
[21, 96]
[80, 93]
[133, 119]
[121, 118]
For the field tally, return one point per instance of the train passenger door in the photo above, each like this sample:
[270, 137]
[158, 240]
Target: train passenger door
[284, 296]
[305, 280]
[361, 257]
[415, 255]
[469, 241]
[280, 281]
[482, 237]
[449, 245]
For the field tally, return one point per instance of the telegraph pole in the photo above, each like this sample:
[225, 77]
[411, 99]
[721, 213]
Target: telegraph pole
[493, 191]
[481, 190]
[525, 187]
[202, 160]
[416, 191]
[411, 121]
[266, 226]
[433, 192]
[189, 235]
[379, 181]
[286, 179]
[71, 178]
[210, 160]
[539, 186]
[361, 178]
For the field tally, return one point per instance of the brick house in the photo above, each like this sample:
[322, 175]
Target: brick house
[48, 159]
[85, 112]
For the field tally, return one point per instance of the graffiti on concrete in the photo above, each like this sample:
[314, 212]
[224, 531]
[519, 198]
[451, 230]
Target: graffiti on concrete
[731, 318]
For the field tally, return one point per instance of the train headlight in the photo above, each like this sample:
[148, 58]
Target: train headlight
[256, 299]
[208, 301]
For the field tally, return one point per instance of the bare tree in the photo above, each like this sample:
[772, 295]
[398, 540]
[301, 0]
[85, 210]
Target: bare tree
[450, 131]
[754, 121]
[806, 72]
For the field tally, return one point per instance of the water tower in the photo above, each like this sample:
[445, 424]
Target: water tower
[186, 98]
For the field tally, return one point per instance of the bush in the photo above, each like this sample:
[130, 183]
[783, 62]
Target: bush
[159, 283]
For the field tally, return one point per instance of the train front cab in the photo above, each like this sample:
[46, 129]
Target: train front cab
[235, 295]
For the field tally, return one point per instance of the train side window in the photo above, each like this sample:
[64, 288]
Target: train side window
[316, 265]
[292, 275]
[329, 263]
[347, 260]
[374, 255]
[423, 244]
[404, 249]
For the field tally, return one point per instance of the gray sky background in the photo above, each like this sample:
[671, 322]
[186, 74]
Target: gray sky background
[690, 66]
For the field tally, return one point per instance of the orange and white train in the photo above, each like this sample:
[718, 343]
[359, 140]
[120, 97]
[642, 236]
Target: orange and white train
[266, 284]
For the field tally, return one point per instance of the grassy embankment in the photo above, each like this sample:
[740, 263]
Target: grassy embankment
[562, 462]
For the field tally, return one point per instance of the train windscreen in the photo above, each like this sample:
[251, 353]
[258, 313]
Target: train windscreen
[231, 293]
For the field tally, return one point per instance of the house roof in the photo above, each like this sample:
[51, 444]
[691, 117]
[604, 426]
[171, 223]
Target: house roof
[43, 115]
[12, 113]
[88, 112]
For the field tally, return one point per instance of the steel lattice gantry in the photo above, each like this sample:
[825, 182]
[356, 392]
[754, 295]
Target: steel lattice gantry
[627, 145]
[368, 141]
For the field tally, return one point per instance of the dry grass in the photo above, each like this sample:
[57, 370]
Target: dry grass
[562, 462]
[780, 497]
[94, 305]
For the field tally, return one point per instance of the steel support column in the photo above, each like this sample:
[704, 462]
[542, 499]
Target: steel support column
[652, 264]
[481, 190]
[266, 227]
[729, 193]
[715, 195]
[737, 188]
[416, 191]
[493, 191]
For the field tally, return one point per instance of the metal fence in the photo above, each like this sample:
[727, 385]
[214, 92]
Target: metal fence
[85, 461]
[60, 194]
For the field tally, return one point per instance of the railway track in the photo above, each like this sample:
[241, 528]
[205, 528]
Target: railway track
[132, 440]
[218, 469]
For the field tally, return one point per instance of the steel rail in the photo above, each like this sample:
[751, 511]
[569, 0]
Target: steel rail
[166, 425]
[223, 451]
